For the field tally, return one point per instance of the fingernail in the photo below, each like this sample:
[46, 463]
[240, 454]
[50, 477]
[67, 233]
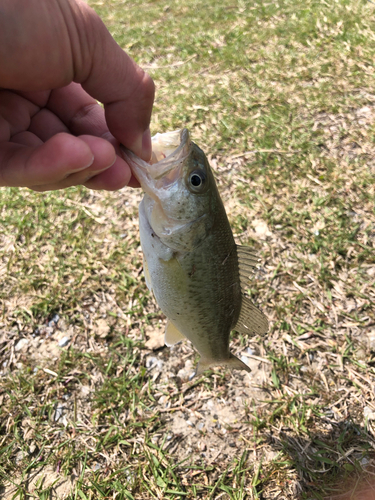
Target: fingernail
[89, 164]
[79, 169]
[93, 173]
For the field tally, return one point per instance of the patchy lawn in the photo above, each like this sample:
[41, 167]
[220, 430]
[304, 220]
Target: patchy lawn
[92, 405]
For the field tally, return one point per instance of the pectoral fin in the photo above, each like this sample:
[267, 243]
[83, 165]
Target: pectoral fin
[172, 335]
[251, 319]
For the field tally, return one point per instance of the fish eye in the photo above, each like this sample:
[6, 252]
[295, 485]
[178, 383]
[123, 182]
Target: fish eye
[197, 179]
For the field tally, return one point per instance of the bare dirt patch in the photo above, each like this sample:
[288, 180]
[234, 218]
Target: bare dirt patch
[42, 479]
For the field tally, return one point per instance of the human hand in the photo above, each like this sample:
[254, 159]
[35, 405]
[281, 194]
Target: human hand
[58, 59]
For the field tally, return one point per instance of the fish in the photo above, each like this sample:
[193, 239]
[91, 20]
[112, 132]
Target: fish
[191, 263]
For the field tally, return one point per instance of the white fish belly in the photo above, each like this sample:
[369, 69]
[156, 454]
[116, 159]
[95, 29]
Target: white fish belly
[193, 291]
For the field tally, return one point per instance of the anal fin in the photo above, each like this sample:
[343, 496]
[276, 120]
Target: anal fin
[172, 335]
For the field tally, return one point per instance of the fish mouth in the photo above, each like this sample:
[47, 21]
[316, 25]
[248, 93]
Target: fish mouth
[169, 152]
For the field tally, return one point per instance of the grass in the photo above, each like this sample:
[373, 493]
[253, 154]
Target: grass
[280, 96]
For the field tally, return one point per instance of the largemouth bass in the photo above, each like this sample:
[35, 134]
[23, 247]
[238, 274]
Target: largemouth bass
[191, 262]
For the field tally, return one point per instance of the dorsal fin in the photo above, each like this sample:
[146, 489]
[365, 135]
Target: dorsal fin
[247, 261]
[245, 253]
[251, 319]
[172, 335]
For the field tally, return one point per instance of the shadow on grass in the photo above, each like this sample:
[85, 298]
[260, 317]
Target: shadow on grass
[337, 462]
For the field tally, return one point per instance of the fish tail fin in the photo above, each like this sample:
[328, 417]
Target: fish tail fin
[233, 363]
[203, 365]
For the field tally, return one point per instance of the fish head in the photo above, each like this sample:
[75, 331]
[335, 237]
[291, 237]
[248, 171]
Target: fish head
[180, 190]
